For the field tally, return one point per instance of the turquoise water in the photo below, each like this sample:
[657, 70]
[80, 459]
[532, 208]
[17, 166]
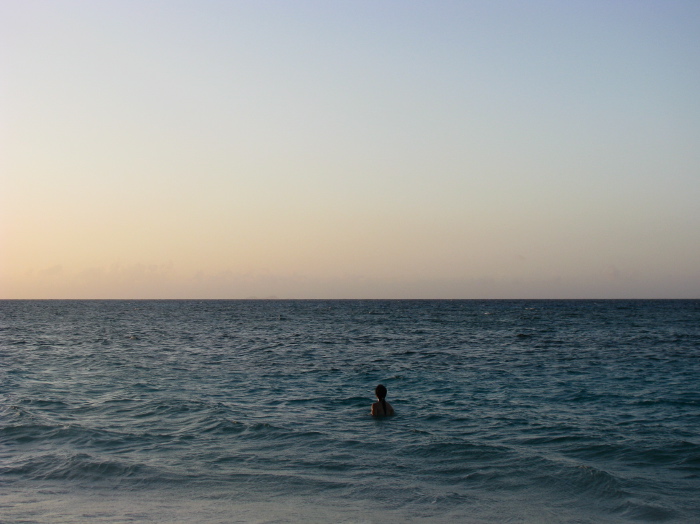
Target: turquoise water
[257, 411]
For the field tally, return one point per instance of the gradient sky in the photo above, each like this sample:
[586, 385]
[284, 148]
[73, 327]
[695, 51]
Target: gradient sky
[349, 149]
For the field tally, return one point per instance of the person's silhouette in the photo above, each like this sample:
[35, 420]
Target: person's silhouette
[381, 408]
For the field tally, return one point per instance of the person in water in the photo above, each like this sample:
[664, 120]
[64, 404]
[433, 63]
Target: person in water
[381, 408]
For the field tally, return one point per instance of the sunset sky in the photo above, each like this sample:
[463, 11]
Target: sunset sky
[349, 149]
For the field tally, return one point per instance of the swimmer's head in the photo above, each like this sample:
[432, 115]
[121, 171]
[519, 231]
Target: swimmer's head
[380, 391]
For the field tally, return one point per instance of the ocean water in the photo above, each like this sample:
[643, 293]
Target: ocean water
[258, 411]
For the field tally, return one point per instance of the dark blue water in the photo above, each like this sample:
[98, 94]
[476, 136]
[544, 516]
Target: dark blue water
[257, 411]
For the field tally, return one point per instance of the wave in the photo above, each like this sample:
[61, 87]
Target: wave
[81, 467]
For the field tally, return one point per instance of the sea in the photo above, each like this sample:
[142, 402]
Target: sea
[507, 411]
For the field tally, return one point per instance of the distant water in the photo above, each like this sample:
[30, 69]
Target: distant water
[257, 411]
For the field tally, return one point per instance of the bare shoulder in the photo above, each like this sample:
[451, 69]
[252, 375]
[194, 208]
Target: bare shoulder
[378, 411]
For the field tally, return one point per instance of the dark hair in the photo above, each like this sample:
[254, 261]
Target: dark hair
[380, 391]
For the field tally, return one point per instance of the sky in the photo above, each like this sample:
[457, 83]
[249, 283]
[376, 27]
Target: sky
[349, 149]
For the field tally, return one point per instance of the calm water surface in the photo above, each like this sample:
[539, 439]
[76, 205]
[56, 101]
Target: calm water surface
[257, 411]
